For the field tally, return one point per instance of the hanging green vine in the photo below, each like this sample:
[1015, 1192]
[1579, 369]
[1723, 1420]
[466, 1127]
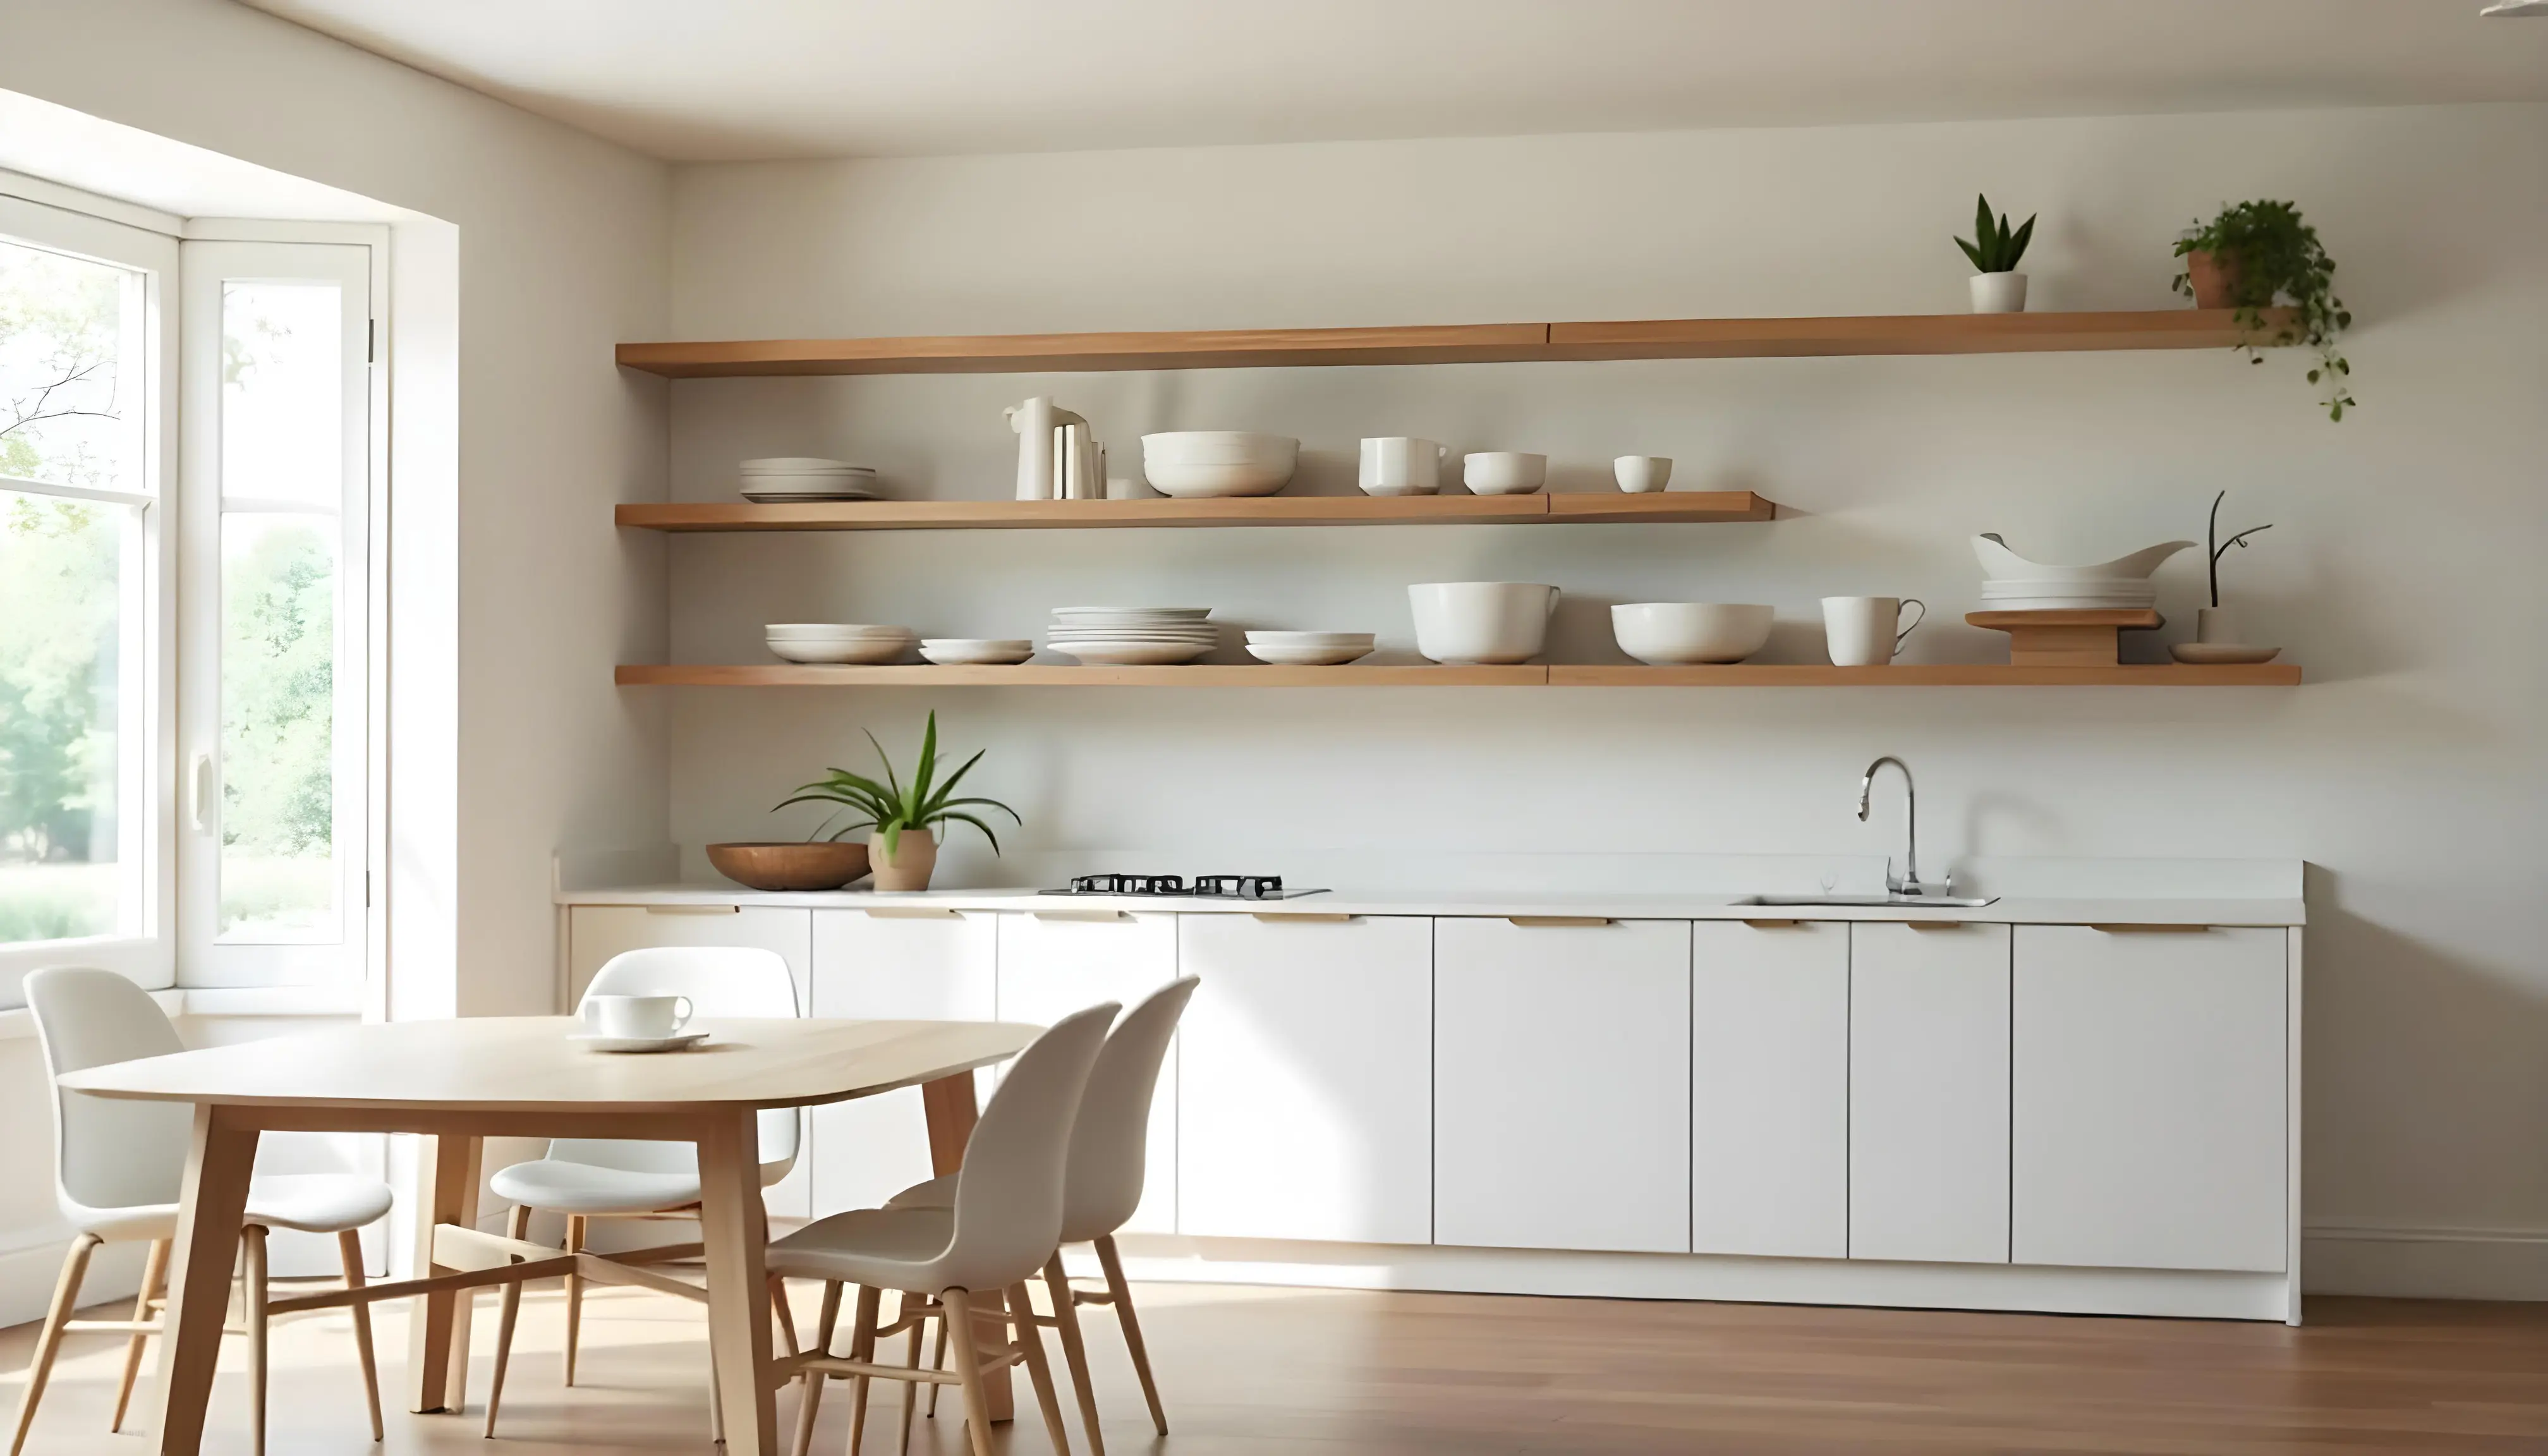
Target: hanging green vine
[2270, 256]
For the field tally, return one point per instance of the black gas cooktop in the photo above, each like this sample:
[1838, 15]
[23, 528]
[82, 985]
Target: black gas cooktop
[1177, 886]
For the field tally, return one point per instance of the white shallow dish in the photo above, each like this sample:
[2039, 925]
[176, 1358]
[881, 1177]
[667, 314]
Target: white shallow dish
[1133, 654]
[1680, 632]
[960, 652]
[2221, 653]
[679, 1042]
[1307, 639]
[794, 498]
[802, 465]
[1199, 464]
[1308, 655]
[859, 654]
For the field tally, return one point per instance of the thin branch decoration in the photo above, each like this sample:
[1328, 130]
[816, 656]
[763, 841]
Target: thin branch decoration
[2212, 532]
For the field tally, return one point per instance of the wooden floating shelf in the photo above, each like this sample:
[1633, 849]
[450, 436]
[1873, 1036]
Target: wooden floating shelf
[1527, 675]
[1461, 343]
[1256, 510]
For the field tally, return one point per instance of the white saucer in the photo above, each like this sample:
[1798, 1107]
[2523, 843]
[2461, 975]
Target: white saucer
[681, 1042]
[2222, 653]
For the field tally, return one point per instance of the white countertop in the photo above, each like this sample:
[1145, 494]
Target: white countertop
[2013, 910]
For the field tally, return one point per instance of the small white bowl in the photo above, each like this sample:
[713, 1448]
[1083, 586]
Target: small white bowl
[864, 650]
[1691, 631]
[955, 652]
[1311, 639]
[1204, 463]
[1503, 473]
[1309, 654]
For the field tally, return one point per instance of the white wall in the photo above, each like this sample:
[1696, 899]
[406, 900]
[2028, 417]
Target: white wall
[2402, 569]
[514, 591]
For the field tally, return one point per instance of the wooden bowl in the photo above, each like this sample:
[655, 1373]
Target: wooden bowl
[821, 865]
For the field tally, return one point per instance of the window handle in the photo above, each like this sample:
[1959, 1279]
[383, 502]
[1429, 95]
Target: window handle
[199, 795]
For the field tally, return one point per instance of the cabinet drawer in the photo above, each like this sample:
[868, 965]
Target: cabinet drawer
[1928, 1093]
[868, 1149]
[1054, 965]
[1768, 1107]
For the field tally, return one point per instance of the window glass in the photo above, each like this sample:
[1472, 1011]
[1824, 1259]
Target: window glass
[278, 864]
[283, 400]
[68, 327]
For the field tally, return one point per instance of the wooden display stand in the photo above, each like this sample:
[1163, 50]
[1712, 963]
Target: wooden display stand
[2064, 639]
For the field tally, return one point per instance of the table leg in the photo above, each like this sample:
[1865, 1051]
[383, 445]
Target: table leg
[437, 1346]
[217, 1166]
[735, 1231]
[951, 1111]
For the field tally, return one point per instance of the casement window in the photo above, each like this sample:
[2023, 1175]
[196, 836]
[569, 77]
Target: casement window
[188, 463]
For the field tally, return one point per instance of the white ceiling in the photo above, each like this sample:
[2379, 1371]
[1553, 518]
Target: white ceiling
[712, 80]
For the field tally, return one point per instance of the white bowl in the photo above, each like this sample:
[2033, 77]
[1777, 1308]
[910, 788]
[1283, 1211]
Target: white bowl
[972, 650]
[855, 650]
[1308, 654]
[1311, 639]
[833, 632]
[1199, 463]
[1691, 631]
[1133, 654]
[1503, 473]
[803, 465]
[1482, 621]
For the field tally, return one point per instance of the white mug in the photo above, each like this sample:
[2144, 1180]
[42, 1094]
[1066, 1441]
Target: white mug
[1867, 631]
[1402, 465]
[1639, 474]
[637, 1018]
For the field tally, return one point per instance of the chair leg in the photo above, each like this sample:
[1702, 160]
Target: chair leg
[574, 1293]
[516, 1224]
[1108, 1260]
[968, 1369]
[154, 1269]
[1074, 1350]
[911, 1391]
[1030, 1344]
[815, 1380]
[49, 1342]
[862, 1347]
[349, 1251]
[252, 1238]
[786, 1316]
[936, 1361]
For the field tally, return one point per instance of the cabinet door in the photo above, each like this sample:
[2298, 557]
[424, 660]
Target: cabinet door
[1769, 1112]
[596, 932]
[1561, 1085]
[2151, 1098]
[1053, 965]
[1928, 1093]
[1305, 1091]
[891, 969]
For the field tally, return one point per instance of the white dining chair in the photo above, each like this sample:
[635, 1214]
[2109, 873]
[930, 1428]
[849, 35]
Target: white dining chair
[587, 1178]
[1109, 1157]
[119, 1169]
[997, 1230]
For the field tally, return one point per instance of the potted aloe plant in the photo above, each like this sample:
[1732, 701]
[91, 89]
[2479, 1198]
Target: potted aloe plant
[2259, 256]
[901, 818]
[1998, 288]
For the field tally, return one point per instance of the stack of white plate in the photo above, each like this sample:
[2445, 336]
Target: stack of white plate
[839, 642]
[786, 479]
[1309, 649]
[1133, 636]
[2072, 593]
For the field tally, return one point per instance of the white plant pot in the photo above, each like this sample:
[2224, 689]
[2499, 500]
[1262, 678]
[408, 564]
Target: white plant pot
[2214, 625]
[1999, 293]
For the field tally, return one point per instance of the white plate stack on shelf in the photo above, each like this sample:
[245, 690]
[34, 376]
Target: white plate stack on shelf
[1133, 636]
[787, 479]
[2011, 583]
[1309, 649]
[839, 642]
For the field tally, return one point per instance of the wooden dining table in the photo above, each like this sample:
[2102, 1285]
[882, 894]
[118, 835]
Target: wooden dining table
[458, 1082]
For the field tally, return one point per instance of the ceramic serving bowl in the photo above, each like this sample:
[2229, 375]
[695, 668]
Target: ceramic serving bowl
[954, 652]
[1199, 463]
[817, 864]
[1482, 621]
[1691, 631]
[1503, 473]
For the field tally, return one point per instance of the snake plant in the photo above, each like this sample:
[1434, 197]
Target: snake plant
[894, 806]
[1994, 248]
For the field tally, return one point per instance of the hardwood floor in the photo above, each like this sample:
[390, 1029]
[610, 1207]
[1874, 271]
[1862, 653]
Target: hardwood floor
[1254, 1371]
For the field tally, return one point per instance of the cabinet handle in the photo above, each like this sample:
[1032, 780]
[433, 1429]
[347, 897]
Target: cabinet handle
[1773, 924]
[2152, 930]
[695, 909]
[1303, 917]
[911, 912]
[1092, 917]
[1933, 924]
[1558, 920]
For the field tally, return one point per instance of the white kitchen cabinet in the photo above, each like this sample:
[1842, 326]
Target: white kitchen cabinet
[1561, 1084]
[1769, 1109]
[1304, 1089]
[596, 932]
[1927, 1092]
[1057, 963]
[2151, 1098]
[892, 967]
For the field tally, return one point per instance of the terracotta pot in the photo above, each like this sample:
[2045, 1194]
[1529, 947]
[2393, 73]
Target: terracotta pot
[907, 869]
[2215, 277]
[821, 865]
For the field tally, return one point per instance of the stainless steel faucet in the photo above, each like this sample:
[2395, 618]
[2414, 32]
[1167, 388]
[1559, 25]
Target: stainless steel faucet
[1909, 883]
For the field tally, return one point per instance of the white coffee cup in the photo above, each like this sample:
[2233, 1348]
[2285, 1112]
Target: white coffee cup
[1867, 631]
[1504, 472]
[1402, 465]
[637, 1018]
[1639, 474]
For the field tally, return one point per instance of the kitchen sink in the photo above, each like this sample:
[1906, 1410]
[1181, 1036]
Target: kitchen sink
[1890, 902]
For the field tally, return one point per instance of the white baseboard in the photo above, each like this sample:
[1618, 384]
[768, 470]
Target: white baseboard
[29, 1272]
[2410, 1261]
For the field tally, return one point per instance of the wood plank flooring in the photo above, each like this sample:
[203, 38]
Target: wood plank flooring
[1247, 1371]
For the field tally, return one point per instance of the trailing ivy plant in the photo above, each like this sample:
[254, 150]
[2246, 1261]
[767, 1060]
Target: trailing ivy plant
[894, 806]
[2270, 256]
[1995, 249]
